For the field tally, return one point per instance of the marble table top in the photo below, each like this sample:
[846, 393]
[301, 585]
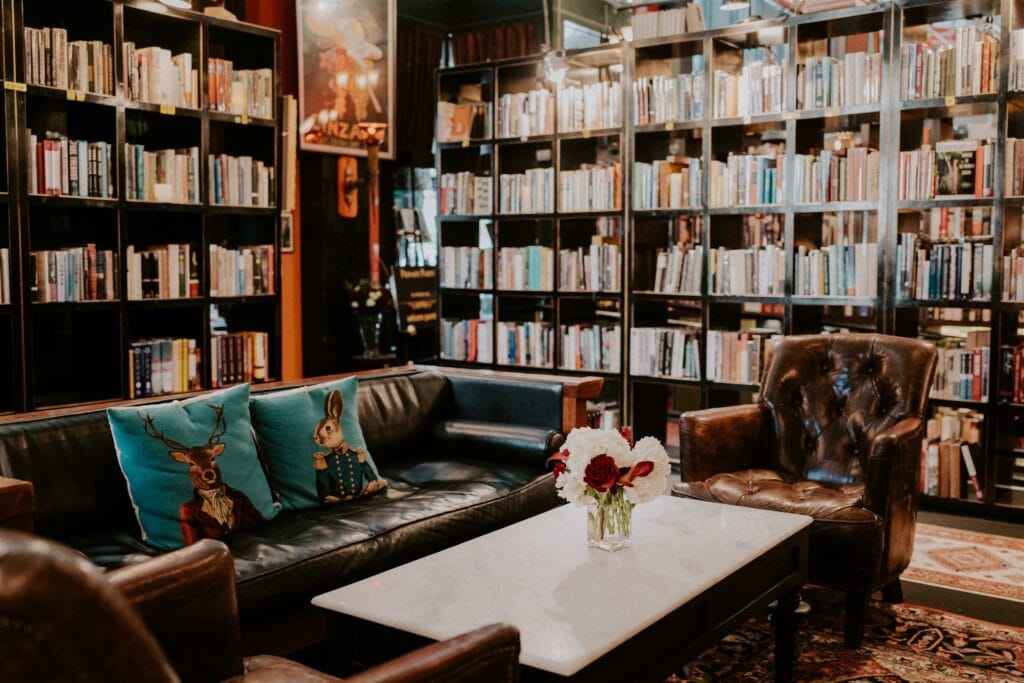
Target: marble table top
[572, 604]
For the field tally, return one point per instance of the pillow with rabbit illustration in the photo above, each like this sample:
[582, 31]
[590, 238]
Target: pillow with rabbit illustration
[313, 446]
[192, 467]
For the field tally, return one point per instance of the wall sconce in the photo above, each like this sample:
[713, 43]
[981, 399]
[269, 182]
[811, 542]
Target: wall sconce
[371, 136]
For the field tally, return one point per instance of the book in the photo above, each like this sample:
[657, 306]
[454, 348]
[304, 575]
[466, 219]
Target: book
[955, 270]
[526, 344]
[948, 451]
[240, 181]
[592, 187]
[842, 78]
[465, 194]
[673, 183]
[529, 192]
[5, 276]
[589, 106]
[469, 341]
[242, 91]
[246, 271]
[167, 271]
[239, 357]
[529, 268]
[155, 76]
[594, 268]
[748, 179]
[962, 371]
[961, 59]
[176, 170]
[73, 274]
[759, 86]
[664, 99]
[523, 114]
[672, 352]
[164, 366]
[60, 166]
[655, 23]
[954, 168]
[466, 267]
[737, 357]
[82, 65]
[594, 347]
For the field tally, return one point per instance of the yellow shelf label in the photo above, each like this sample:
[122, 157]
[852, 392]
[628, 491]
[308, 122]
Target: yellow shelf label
[15, 86]
[586, 134]
[465, 143]
[76, 95]
[950, 100]
[832, 111]
[168, 109]
[746, 120]
[787, 115]
[245, 119]
[670, 126]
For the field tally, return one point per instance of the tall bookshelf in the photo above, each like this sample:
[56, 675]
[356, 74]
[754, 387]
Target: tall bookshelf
[78, 351]
[884, 121]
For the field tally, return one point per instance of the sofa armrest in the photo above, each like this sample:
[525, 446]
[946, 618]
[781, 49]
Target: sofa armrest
[722, 440]
[497, 441]
[17, 503]
[487, 654]
[187, 599]
[890, 489]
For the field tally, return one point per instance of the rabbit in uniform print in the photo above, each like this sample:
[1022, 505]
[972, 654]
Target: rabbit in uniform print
[342, 473]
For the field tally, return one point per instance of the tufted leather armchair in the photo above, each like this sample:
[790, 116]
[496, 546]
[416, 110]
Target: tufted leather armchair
[836, 435]
[174, 618]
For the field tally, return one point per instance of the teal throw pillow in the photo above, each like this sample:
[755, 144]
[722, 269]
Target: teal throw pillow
[192, 467]
[312, 444]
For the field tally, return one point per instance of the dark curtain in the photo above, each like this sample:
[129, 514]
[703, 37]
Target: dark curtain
[495, 42]
[417, 55]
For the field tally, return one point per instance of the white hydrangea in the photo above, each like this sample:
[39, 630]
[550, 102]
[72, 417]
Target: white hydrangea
[585, 443]
[645, 489]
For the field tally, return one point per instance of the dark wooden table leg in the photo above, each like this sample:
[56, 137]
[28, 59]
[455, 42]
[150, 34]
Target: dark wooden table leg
[784, 621]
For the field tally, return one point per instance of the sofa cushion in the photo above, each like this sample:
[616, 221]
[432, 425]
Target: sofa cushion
[772, 490]
[397, 411]
[192, 467]
[500, 442]
[311, 442]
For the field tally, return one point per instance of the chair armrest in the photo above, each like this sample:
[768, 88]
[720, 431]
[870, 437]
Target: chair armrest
[722, 440]
[487, 654]
[497, 441]
[17, 503]
[187, 599]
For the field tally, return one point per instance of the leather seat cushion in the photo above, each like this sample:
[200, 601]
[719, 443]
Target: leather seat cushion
[431, 503]
[772, 490]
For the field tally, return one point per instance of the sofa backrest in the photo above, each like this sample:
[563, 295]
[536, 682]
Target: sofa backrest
[71, 462]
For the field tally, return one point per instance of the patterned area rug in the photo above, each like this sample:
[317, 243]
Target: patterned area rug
[968, 561]
[901, 643]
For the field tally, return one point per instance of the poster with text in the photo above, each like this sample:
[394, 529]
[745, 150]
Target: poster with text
[346, 72]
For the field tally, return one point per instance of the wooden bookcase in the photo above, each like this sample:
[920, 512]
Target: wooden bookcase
[70, 353]
[887, 126]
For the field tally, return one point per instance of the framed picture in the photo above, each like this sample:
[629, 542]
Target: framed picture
[287, 232]
[346, 73]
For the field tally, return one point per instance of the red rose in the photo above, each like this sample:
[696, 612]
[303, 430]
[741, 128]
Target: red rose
[601, 474]
[558, 461]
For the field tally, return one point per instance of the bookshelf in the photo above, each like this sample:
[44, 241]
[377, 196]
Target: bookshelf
[147, 230]
[687, 217]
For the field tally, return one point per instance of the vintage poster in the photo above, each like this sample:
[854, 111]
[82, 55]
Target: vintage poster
[346, 72]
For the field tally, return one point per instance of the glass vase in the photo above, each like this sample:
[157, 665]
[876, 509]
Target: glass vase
[610, 523]
[369, 332]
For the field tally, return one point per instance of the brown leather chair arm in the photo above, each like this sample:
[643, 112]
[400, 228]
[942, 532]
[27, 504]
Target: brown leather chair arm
[187, 599]
[722, 440]
[487, 654]
[17, 503]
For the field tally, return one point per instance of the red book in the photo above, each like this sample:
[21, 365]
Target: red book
[976, 374]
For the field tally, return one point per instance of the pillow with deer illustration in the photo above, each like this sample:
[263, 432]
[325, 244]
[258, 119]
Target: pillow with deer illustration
[313, 446]
[192, 467]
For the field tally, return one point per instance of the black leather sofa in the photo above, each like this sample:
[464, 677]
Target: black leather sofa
[463, 453]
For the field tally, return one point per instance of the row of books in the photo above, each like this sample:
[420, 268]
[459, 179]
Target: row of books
[242, 91]
[523, 114]
[595, 268]
[239, 357]
[962, 60]
[465, 194]
[755, 271]
[954, 271]
[169, 271]
[467, 341]
[592, 187]
[463, 121]
[837, 270]
[669, 22]
[1013, 274]
[58, 165]
[590, 106]
[759, 87]
[737, 357]
[962, 372]
[664, 99]
[163, 366]
[956, 222]
[679, 269]
[466, 267]
[532, 191]
[1016, 75]
[675, 183]
[526, 268]
[166, 175]
[74, 274]
[1013, 163]
[952, 440]
[50, 60]
[665, 352]
[1011, 372]
[5, 276]
[154, 75]
[246, 271]
[593, 347]
[526, 343]
[240, 181]
[831, 177]
[825, 82]
[746, 180]
[957, 168]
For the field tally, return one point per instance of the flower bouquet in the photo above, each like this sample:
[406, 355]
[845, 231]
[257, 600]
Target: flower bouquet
[604, 471]
[369, 301]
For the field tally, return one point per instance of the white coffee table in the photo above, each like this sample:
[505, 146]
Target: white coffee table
[695, 572]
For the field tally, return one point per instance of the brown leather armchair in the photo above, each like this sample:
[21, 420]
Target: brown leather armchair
[836, 435]
[175, 618]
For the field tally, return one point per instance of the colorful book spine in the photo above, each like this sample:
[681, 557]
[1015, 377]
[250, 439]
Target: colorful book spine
[81, 65]
[156, 76]
[747, 180]
[246, 271]
[524, 114]
[167, 175]
[954, 270]
[672, 352]
[164, 366]
[467, 341]
[962, 371]
[169, 271]
[75, 274]
[532, 191]
[592, 187]
[675, 183]
[465, 194]
[60, 166]
[526, 343]
[529, 268]
[591, 106]
[679, 269]
[962, 59]
[755, 271]
[669, 99]
[240, 181]
[466, 268]
[247, 92]
[591, 347]
[737, 357]
[595, 268]
[239, 357]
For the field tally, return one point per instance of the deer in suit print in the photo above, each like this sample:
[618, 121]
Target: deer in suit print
[215, 508]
